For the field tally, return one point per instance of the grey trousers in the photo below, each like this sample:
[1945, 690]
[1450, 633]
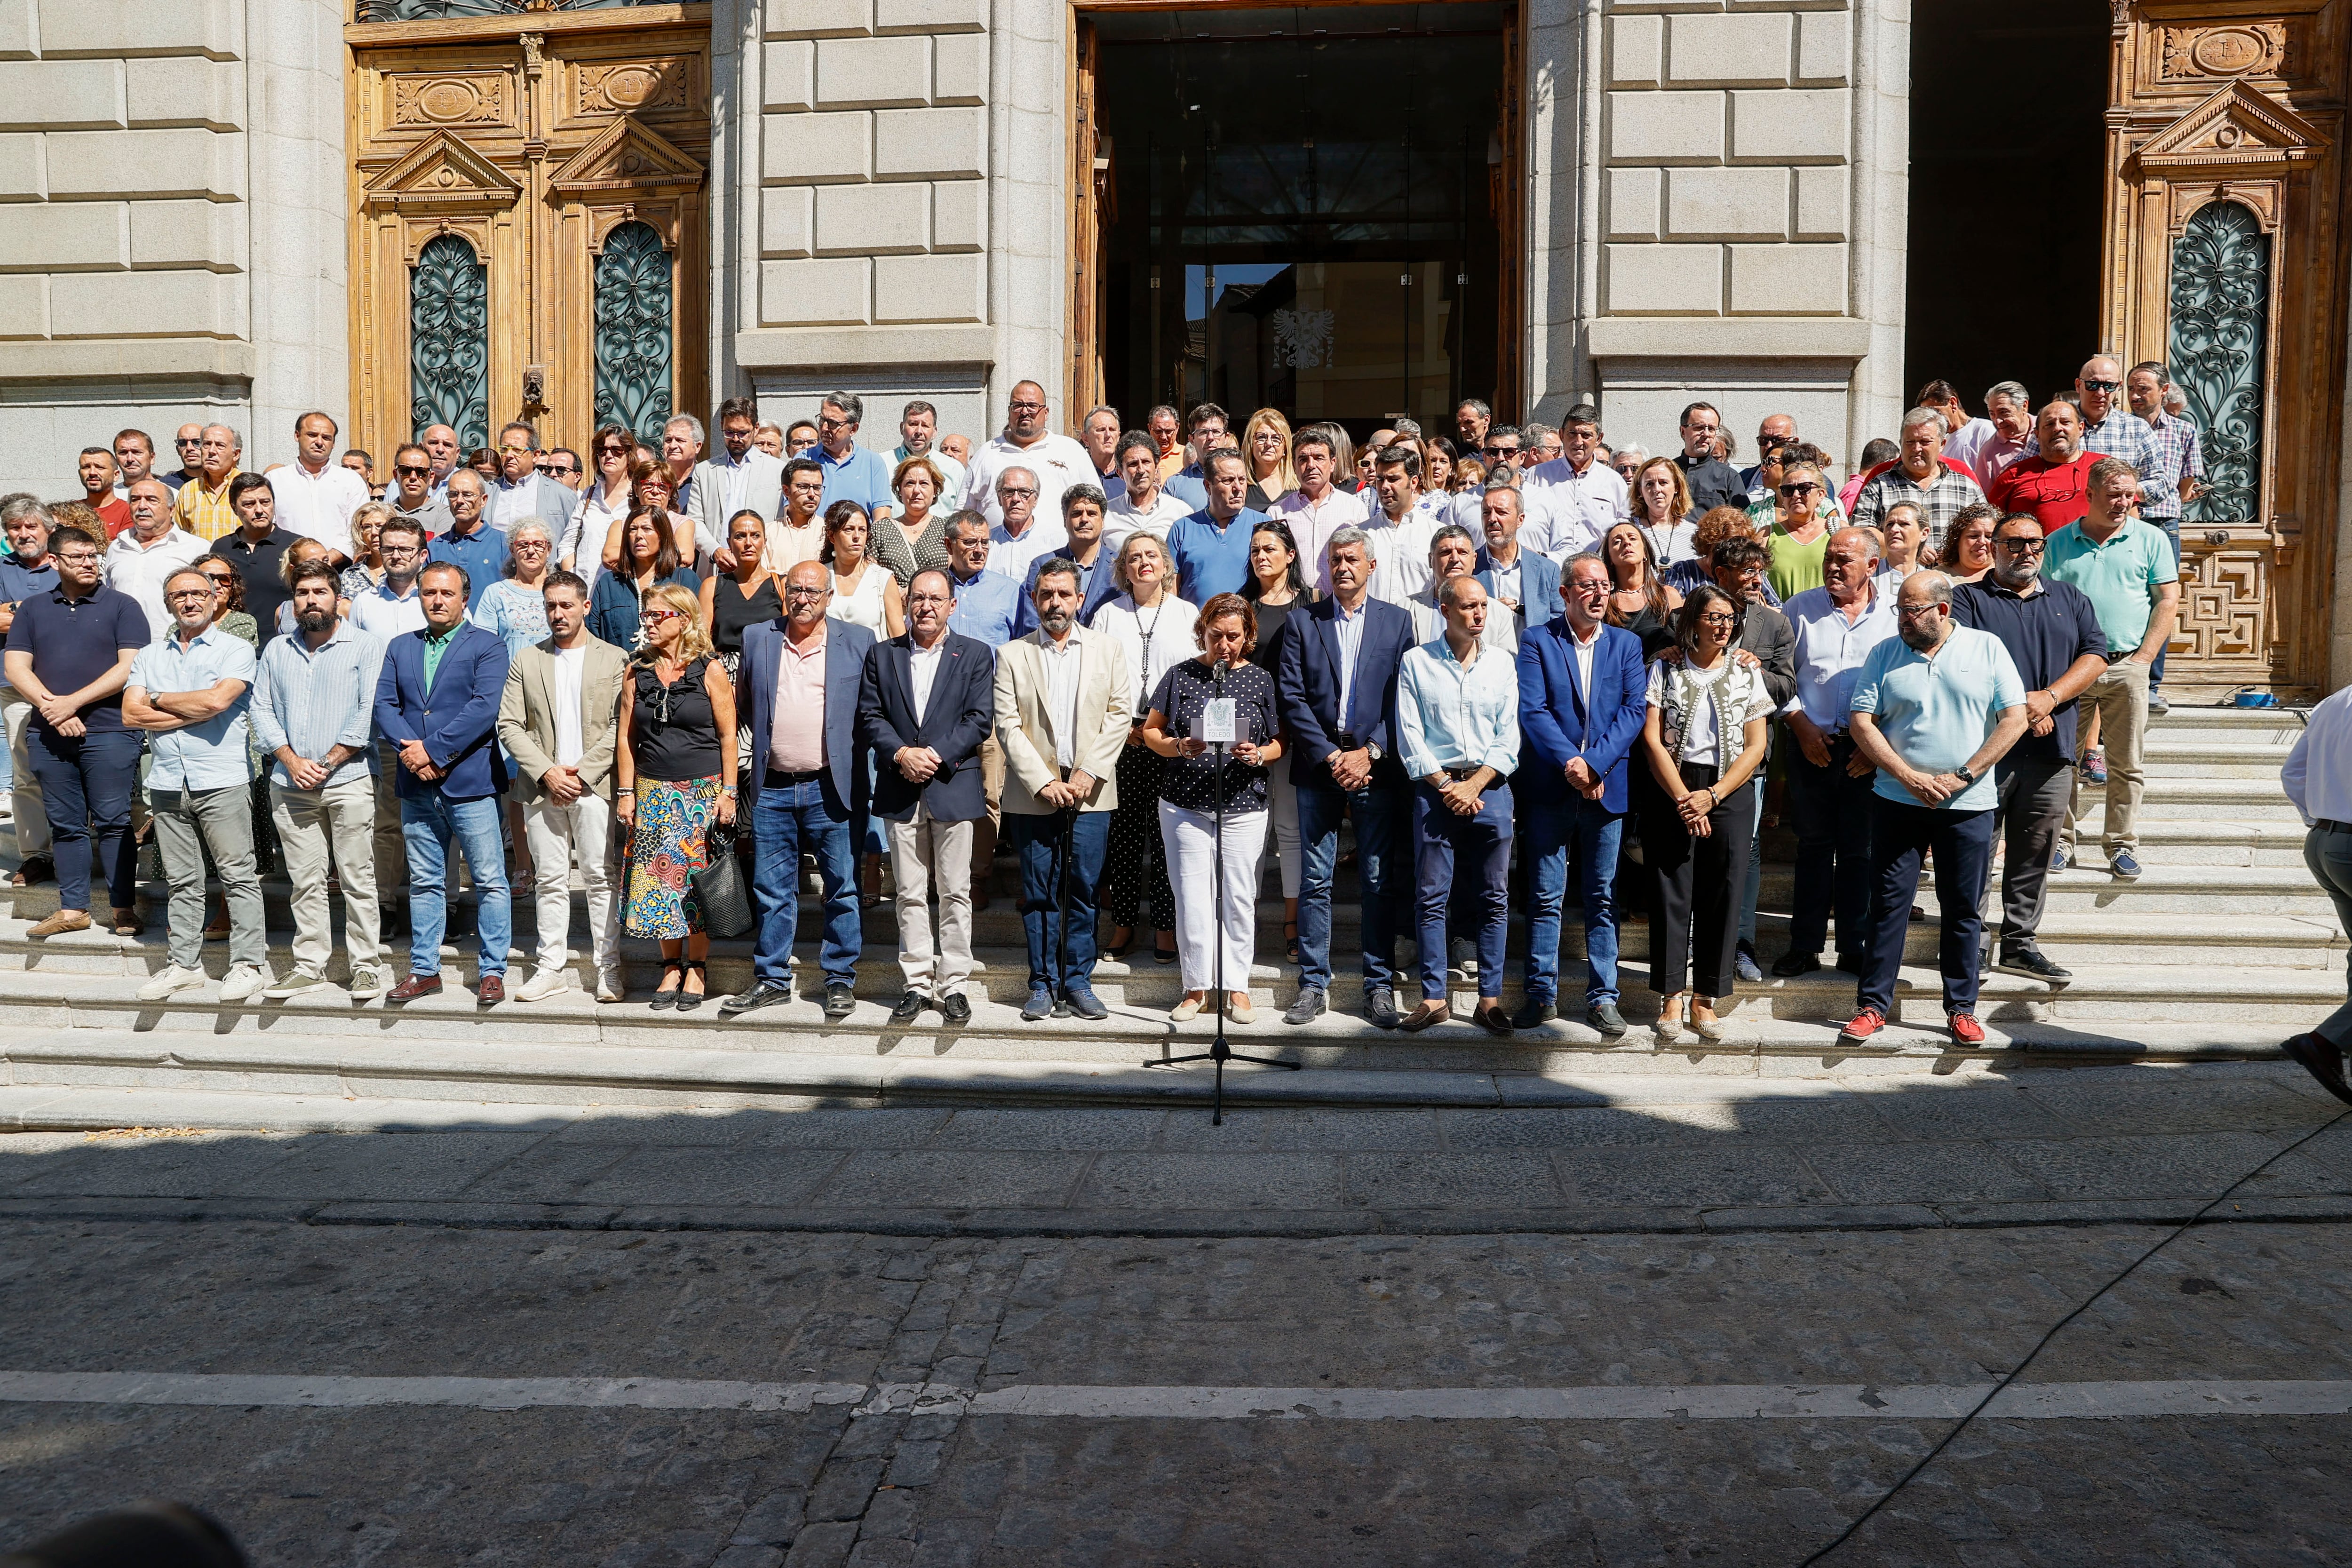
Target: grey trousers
[2329, 852]
[2034, 799]
[32, 817]
[187, 822]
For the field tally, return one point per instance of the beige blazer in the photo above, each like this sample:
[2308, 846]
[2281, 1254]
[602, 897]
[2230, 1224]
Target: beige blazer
[1025, 730]
[526, 717]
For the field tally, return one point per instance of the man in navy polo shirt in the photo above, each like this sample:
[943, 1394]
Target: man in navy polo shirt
[2051, 632]
[25, 572]
[69, 653]
[1211, 548]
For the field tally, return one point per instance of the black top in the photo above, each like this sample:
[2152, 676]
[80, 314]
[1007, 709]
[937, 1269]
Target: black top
[257, 564]
[1191, 782]
[75, 641]
[1273, 630]
[1258, 501]
[1713, 482]
[731, 610]
[1651, 628]
[2043, 634]
[673, 731]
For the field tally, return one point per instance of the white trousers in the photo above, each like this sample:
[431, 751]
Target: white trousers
[1190, 838]
[921, 849]
[556, 834]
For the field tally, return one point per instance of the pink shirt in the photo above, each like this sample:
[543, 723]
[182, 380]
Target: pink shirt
[796, 724]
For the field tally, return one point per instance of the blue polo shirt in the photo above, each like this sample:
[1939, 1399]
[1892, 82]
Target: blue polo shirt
[75, 641]
[860, 475]
[1212, 560]
[985, 607]
[211, 755]
[2044, 633]
[483, 554]
[17, 585]
[1937, 712]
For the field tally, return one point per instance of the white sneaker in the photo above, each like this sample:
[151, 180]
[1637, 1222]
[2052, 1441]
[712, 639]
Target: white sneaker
[544, 981]
[174, 978]
[368, 982]
[609, 987]
[242, 980]
[297, 982]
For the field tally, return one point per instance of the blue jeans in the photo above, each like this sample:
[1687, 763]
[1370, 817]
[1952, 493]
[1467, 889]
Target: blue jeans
[87, 782]
[2171, 527]
[1962, 842]
[1038, 842]
[785, 820]
[1595, 833]
[1380, 811]
[429, 824]
[1476, 847]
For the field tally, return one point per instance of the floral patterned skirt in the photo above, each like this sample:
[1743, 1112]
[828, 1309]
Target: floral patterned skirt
[671, 842]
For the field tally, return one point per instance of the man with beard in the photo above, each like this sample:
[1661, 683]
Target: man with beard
[313, 707]
[1932, 710]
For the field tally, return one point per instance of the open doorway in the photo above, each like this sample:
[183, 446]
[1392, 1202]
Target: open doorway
[2007, 150]
[1301, 208]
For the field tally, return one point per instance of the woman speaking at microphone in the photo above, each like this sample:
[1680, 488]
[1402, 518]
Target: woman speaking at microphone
[1175, 729]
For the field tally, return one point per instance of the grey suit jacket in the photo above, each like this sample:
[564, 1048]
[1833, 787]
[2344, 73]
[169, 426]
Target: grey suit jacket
[526, 717]
[763, 492]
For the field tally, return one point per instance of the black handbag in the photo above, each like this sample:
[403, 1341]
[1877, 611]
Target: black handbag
[718, 887]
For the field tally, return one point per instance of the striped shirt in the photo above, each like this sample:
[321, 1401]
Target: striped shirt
[204, 511]
[315, 701]
[2177, 451]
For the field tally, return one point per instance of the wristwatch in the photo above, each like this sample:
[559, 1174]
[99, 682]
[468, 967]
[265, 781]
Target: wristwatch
[1372, 750]
[1962, 774]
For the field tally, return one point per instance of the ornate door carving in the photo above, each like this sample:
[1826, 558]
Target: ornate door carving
[565, 150]
[2223, 260]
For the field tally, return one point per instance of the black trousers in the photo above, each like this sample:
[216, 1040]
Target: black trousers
[1695, 885]
[2035, 792]
[1832, 812]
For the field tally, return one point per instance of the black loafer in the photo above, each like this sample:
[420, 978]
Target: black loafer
[2030, 962]
[1534, 1015]
[1788, 965]
[763, 993]
[956, 1009]
[840, 1001]
[2321, 1060]
[909, 1008]
[1381, 1009]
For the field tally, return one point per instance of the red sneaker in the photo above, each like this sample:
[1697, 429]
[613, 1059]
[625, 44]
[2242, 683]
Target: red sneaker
[1966, 1029]
[1867, 1022]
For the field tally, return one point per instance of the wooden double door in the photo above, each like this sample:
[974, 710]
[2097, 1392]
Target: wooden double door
[529, 222]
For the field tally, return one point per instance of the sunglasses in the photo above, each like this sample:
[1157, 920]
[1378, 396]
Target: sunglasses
[2101, 386]
[217, 580]
[1795, 491]
[2025, 546]
[410, 470]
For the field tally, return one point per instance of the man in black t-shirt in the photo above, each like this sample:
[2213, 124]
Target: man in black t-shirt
[69, 653]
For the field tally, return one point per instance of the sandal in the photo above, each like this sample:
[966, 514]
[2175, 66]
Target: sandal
[687, 1001]
[667, 996]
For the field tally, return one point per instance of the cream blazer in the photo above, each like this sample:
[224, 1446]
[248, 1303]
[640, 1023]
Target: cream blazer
[527, 718]
[1025, 729]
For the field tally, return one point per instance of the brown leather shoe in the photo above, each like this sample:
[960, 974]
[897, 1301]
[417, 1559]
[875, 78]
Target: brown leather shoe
[62, 922]
[1491, 1017]
[489, 989]
[129, 922]
[35, 869]
[414, 987]
[1422, 1017]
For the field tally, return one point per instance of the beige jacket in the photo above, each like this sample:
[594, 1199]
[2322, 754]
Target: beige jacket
[1026, 729]
[526, 717]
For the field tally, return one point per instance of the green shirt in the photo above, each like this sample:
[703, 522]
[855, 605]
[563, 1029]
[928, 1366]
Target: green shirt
[2120, 577]
[1791, 567]
[434, 647]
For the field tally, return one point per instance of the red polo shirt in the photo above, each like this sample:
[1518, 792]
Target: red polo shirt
[2058, 494]
[115, 512]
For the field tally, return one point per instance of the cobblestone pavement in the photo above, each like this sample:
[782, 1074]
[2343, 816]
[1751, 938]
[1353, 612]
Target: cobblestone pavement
[891, 1469]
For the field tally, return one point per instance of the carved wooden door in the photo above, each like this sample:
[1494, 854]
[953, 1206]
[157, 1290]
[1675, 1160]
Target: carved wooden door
[530, 227]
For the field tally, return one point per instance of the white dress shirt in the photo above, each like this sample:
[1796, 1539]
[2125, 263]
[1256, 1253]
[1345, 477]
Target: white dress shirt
[1830, 650]
[1010, 557]
[1153, 641]
[1349, 626]
[1313, 522]
[139, 570]
[922, 669]
[2319, 772]
[1062, 671]
[1581, 507]
[1058, 462]
[1401, 554]
[319, 506]
[571, 663]
[1123, 517]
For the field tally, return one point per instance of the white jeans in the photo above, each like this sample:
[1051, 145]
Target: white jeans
[1190, 838]
[554, 832]
[923, 847]
[316, 826]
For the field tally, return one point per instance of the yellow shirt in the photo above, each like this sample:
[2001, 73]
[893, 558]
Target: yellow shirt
[205, 512]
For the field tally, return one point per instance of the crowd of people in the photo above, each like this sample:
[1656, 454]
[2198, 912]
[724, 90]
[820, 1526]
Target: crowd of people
[1526, 666]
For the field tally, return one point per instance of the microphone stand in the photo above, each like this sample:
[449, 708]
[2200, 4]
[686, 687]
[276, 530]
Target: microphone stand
[1219, 1052]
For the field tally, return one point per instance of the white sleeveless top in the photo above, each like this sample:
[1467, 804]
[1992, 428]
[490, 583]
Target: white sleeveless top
[865, 607]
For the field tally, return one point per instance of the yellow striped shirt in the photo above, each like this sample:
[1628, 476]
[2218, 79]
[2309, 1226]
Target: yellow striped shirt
[205, 512]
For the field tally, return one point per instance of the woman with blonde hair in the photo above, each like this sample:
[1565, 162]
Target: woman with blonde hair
[921, 519]
[674, 776]
[1661, 510]
[514, 607]
[1154, 628]
[366, 570]
[1265, 447]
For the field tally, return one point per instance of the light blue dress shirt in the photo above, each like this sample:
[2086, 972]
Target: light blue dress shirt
[1937, 712]
[211, 755]
[315, 701]
[1453, 715]
[985, 607]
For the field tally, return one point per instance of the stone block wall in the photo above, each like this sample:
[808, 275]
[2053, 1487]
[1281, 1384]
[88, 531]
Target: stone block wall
[162, 166]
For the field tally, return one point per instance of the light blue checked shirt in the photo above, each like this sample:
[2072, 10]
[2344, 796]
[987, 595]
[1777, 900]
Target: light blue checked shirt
[2179, 451]
[315, 701]
[208, 756]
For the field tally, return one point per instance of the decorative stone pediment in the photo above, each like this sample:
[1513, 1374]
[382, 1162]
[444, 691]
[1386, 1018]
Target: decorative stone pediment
[627, 157]
[2237, 129]
[443, 174]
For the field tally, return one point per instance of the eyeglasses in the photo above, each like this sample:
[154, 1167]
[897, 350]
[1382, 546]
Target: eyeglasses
[519, 545]
[1718, 620]
[80, 558]
[1028, 408]
[799, 593]
[663, 616]
[189, 594]
[824, 423]
[2101, 386]
[2024, 546]
[1011, 491]
[1911, 610]
[411, 471]
[929, 599]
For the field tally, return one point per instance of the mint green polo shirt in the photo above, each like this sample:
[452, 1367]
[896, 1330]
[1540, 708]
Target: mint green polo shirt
[434, 647]
[1935, 712]
[2120, 577]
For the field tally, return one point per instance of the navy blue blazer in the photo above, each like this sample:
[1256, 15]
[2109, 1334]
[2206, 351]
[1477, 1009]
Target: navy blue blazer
[1538, 584]
[845, 647]
[958, 716]
[1307, 687]
[457, 719]
[1558, 719]
[1101, 589]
